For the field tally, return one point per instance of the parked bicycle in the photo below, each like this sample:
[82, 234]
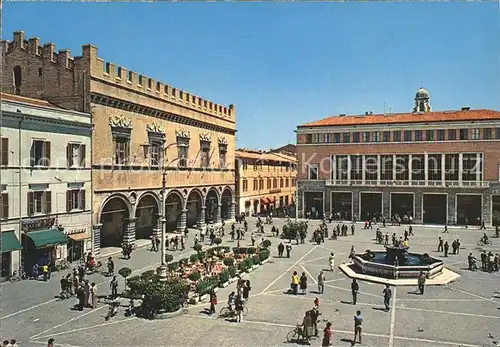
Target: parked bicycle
[225, 312]
[16, 277]
[295, 335]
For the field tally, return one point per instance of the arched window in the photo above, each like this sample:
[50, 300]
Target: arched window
[17, 79]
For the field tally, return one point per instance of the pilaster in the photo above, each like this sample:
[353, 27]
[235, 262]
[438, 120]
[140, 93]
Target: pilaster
[355, 203]
[157, 227]
[379, 168]
[426, 167]
[334, 168]
[181, 226]
[129, 232]
[200, 224]
[479, 167]
[410, 168]
[394, 166]
[443, 169]
[460, 168]
[363, 169]
[417, 213]
[96, 229]
[349, 168]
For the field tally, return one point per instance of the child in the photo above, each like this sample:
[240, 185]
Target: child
[316, 302]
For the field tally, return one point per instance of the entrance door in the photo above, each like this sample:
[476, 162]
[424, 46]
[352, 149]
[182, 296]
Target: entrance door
[371, 205]
[434, 208]
[469, 206]
[495, 210]
[313, 203]
[342, 203]
[402, 205]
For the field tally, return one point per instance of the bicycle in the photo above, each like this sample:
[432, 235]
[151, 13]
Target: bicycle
[482, 242]
[225, 312]
[295, 335]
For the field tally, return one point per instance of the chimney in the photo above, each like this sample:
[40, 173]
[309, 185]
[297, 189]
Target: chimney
[342, 115]
[465, 108]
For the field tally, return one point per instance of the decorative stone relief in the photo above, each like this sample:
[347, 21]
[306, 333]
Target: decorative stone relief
[183, 133]
[155, 128]
[205, 137]
[120, 122]
[222, 140]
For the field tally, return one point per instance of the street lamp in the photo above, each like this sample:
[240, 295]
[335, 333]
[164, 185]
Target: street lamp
[163, 269]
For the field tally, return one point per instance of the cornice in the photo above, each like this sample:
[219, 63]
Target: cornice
[108, 101]
[45, 120]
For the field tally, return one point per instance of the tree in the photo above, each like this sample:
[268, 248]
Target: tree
[125, 272]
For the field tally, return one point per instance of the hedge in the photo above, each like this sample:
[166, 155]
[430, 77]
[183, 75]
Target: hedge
[228, 261]
[207, 284]
[232, 271]
[173, 266]
[256, 259]
[169, 258]
[194, 276]
[264, 254]
[224, 276]
[184, 261]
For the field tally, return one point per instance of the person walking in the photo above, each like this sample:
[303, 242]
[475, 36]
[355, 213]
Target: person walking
[446, 248]
[213, 302]
[238, 306]
[440, 244]
[354, 290]
[303, 283]
[321, 282]
[111, 267]
[50, 343]
[358, 326]
[327, 335]
[114, 287]
[288, 250]
[387, 292]
[93, 294]
[307, 328]
[246, 290]
[421, 282]
[331, 261]
[281, 249]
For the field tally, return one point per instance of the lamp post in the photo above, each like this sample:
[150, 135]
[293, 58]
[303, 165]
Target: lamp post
[163, 269]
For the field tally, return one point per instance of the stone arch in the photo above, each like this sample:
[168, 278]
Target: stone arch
[194, 203]
[174, 204]
[146, 214]
[226, 203]
[211, 205]
[113, 215]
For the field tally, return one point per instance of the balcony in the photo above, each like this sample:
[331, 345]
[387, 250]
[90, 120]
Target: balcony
[414, 184]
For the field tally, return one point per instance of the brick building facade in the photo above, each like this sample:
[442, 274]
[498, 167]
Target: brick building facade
[437, 167]
[144, 130]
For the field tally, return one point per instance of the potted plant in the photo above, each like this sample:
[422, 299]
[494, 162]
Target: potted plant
[218, 241]
[266, 244]
[194, 258]
[228, 261]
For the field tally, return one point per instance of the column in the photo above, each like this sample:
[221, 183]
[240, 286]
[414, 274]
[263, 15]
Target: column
[217, 218]
[181, 226]
[363, 169]
[157, 227]
[426, 167]
[479, 167]
[460, 167]
[96, 229]
[349, 168]
[200, 224]
[394, 165]
[410, 168]
[232, 213]
[334, 169]
[443, 169]
[486, 209]
[129, 232]
[379, 168]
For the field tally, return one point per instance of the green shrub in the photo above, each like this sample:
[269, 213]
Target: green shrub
[237, 256]
[251, 250]
[169, 258]
[264, 254]
[256, 259]
[194, 276]
[243, 250]
[197, 247]
[228, 261]
[266, 244]
[232, 271]
[218, 241]
[248, 263]
[207, 284]
[242, 267]
[184, 261]
[194, 258]
[224, 276]
[165, 296]
[173, 266]
[147, 275]
[125, 272]
[135, 284]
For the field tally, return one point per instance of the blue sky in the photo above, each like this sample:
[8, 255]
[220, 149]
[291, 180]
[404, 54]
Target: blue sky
[284, 64]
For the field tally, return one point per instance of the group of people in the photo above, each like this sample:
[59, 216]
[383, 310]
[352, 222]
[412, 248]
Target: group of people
[489, 262]
[174, 243]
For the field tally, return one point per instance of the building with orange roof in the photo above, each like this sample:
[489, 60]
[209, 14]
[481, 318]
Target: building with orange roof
[45, 184]
[265, 182]
[437, 167]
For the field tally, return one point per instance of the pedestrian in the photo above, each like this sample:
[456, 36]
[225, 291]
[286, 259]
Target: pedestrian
[358, 326]
[153, 244]
[86, 290]
[5, 343]
[421, 282]
[307, 328]
[314, 313]
[440, 244]
[303, 283]
[45, 272]
[321, 282]
[354, 290]
[114, 287]
[50, 343]
[295, 283]
[80, 294]
[111, 267]
[458, 245]
[213, 302]
[238, 306]
[13, 343]
[288, 250]
[387, 292]
[281, 248]
[327, 335]
[446, 248]
[93, 295]
[246, 290]
[331, 261]
[446, 229]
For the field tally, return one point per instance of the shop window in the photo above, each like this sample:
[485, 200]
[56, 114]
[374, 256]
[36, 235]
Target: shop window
[313, 172]
[4, 160]
[75, 200]
[75, 155]
[4, 206]
[40, 153]
[39, 202]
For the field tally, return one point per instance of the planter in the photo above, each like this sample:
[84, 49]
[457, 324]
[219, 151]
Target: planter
[255, 267]
[167, 315]
[231, 280]
[264, 261]
[216, 289]
[249, 270]
[203, 297]
[225, 284]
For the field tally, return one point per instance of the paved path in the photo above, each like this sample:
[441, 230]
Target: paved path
[460, 314]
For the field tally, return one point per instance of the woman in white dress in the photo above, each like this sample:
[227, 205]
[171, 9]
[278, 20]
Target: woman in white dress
[331, 260]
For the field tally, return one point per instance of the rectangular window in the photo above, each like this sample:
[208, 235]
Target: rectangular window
[75, 155]
[245, 185]
[316, 138]
[122, 150]
[346, 137]
[275, 183]
[182, 152]
[75, 200]
[326, 138]
[387, 136]
[470, 165]
[39, 202]
[429, 135]
[434, 167]
[356, 137]
[452, 134]
[205, 155]
[487, 134]
[222, 156]
[497, 133]
[313, 172]
[309, 138]
[451, 167]
[371, 167]
[417, 167]
[282, 183]
[155, 153]
[366, 136]
[4, 152]
[386, 162]
[440, 135]
[336, 138]
[474, 134]
[464, 134]
[255, 185]
[396, 136]
[376, 136]
[356, 167]
[40, 153]
[268, 183]
[287, 183]
[402, 166]
[342, 166]
[408, 136]
[4, 206]
[261, 184]
[418, 135]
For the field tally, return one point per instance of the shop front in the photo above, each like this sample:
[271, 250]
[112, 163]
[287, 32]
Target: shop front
[10, 247]
[78, 243]
[44, 246]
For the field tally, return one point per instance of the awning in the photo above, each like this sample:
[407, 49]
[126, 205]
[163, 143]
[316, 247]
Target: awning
[10, 242]
[45, 238]
[79, 236]
[264, 201]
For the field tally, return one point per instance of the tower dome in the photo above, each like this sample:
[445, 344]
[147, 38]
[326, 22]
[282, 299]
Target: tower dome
[422, 93]
[422, 101]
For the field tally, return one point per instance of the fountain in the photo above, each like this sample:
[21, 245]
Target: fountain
[396, 262]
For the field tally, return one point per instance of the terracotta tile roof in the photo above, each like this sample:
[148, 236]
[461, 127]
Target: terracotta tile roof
[29, 101]
[427, 117]
[252, 154]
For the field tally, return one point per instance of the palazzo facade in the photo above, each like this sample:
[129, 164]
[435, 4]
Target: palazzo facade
[438, 167]
[144, 132]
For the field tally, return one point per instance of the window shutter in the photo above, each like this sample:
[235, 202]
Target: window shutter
[48, 202]
[69, 156]
[82, 155]
[82, 199]
[47, 153]
[68, 200]
[5, 151]
[5, 205]
[32, 154]
[31, 203]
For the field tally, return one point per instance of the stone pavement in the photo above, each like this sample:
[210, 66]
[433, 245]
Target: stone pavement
[463, 313]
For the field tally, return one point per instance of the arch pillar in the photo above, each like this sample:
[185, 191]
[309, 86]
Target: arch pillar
[96, 231]
[129, 233]
[158, 226]
[201, 218]
[183, 221]
[217, 218]
[232, 213]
